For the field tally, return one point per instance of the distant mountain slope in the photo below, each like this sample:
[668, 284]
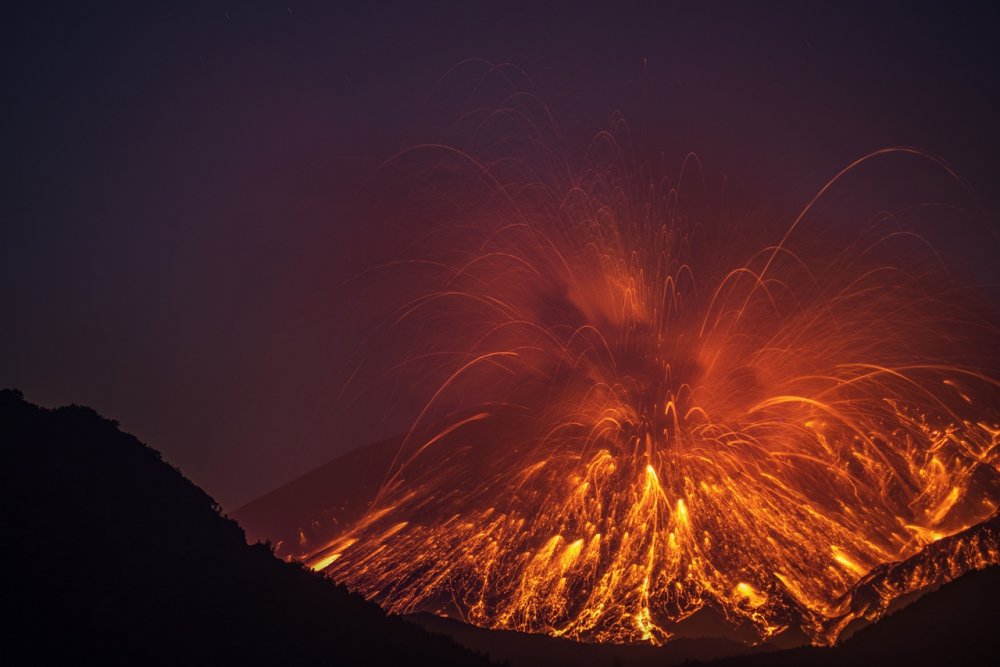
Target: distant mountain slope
[954, 625]
[313, 508]
[302, 516]
[307, 513]
[113, 557]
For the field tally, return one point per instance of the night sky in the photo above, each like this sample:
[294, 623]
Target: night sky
[186, 189]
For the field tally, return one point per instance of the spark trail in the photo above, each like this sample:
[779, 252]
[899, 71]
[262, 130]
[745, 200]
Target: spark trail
[624, 426]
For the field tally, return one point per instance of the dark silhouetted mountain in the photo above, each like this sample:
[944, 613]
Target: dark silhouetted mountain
[113, 557]
[954, 625]
[534, 650]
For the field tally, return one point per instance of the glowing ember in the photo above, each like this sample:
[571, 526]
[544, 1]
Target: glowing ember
[622, 429]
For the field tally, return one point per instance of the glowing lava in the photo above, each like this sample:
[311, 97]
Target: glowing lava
[623, 426]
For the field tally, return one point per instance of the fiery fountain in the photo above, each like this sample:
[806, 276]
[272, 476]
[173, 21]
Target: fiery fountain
[623, 424]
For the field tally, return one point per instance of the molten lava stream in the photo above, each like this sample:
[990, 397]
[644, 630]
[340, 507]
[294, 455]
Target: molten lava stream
[621, 429]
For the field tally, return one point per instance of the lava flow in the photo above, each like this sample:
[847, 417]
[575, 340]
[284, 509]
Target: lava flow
[624, 425]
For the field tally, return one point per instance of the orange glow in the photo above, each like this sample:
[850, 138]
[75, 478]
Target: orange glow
[654, 429]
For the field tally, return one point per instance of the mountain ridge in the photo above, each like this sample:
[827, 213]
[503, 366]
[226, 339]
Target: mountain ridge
[119, 559]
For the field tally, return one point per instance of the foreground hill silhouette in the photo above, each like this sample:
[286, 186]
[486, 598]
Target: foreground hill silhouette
[536, 650]
[114, 557]
[954, 625]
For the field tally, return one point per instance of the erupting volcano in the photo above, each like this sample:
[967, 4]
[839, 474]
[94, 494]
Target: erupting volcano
[633, 411]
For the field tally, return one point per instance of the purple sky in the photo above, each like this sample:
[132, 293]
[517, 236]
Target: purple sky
[183, 188]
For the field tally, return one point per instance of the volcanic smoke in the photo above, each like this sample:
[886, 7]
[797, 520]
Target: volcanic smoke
[633, 410]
